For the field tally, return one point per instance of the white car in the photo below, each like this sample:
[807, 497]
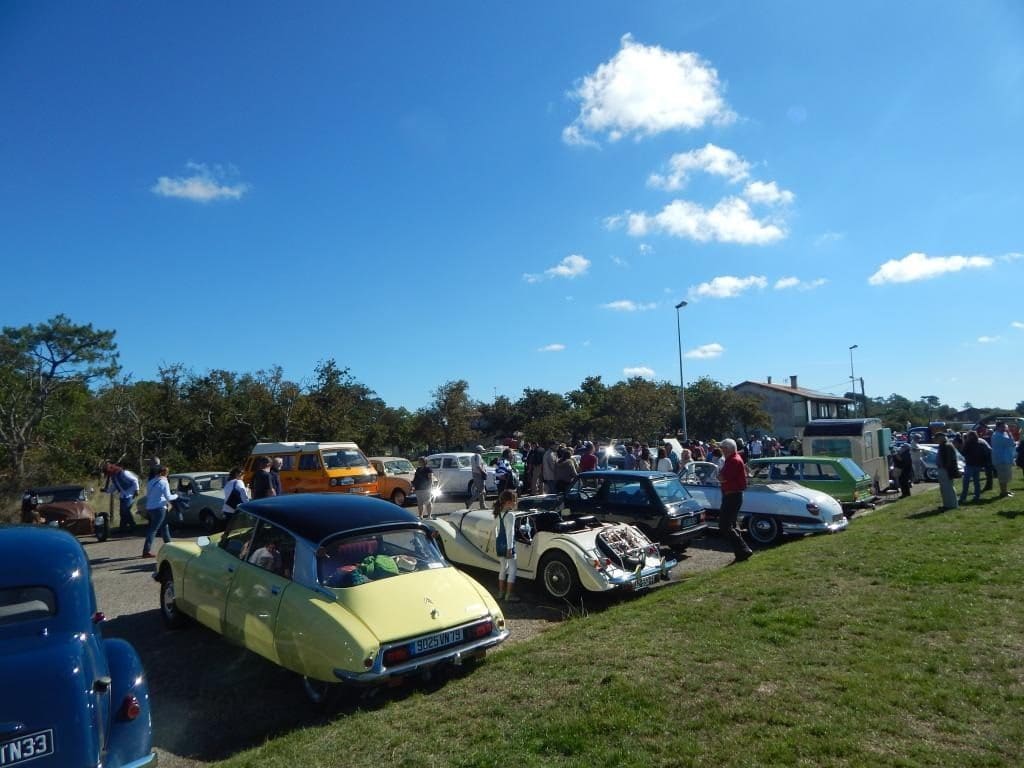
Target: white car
[771, 508]
[566, 555]
[453, 473]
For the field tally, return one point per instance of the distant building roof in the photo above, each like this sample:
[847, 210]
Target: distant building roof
[789, 389]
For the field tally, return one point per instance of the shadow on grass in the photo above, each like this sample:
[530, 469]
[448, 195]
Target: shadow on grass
[212, 699]
[924, 514]
[1011, 514]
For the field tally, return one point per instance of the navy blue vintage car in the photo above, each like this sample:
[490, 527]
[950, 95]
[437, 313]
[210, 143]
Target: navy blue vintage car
[70, 697]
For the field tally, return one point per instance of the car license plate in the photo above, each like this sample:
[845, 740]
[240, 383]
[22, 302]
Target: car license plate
[644, 582]
[25, 748]
[440, 640]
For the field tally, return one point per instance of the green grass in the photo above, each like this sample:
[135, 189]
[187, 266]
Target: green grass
[899, 642]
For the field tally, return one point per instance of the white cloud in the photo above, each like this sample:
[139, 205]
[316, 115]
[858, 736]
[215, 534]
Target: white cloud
[613, 222]
[641, 370]
[706, 351]
[1017, 324]
[730, 221]
[644, 248]
[709, 159]
[1012, 256]
[645, 90]
[795, 282]
[619, 261]
[727, 287]
[767, 193]
[625, 305]
[552, 348]
[570, 267]
[205, 185]
[920, 266]
[828, 237]
[987, 339]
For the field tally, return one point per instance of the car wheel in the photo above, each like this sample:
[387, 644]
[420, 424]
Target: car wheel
[558, 575]
[931, 474]
[173, 618]
[209, 521]
[764, 529]
[318, 692]
[101, 526]
[398, 497]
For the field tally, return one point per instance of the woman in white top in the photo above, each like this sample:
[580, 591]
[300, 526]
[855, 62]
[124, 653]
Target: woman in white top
[234, 493]
[664, 462]
[158, 495]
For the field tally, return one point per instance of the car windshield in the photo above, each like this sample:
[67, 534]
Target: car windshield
[344, 458]
[19, 604]
[670, 490]
[353, 561]
[400, 466]
[62, 494]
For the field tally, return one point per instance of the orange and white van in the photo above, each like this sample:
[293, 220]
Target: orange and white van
[318, 467]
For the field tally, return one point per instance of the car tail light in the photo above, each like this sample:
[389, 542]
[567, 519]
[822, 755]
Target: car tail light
[130, 708]
[98, 617]
[673, 523]
[396, 655]
[483, 629]
[813, 509]
[368, 662]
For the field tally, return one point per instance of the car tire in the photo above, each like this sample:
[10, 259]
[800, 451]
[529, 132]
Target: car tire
[173, 618]
[558, 577]
[398, 497]
[101, 525]
[931, 474]
[209, 521]
[764, 529]
[318, 692]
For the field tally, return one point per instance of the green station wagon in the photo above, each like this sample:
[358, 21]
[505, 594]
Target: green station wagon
[841, 478]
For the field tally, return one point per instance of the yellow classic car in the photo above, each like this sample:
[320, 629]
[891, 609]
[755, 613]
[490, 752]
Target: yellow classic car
[338, 589]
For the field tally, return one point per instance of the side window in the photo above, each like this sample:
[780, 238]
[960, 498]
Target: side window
[287, 462]
[309, 461]
[273, 549]
[828, 472]
[434, 463]
[237, 534]
[450, 463]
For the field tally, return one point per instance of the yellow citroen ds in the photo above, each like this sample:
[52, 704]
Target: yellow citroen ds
[336, 588]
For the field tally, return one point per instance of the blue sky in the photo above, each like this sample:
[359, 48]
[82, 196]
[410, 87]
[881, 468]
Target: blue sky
[520, 194]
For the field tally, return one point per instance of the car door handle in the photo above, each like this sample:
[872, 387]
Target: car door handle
[231, 569]
[275, 590]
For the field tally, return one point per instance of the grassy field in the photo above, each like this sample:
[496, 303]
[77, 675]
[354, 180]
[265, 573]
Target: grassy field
[899, 642]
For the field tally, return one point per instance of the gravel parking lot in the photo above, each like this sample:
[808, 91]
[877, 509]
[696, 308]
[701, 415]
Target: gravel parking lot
[212, 699]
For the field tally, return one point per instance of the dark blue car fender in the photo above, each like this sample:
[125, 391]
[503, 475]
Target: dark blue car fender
[128, 736]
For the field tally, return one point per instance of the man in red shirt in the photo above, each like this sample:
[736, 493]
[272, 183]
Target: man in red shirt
[733, 479]
[588, 461]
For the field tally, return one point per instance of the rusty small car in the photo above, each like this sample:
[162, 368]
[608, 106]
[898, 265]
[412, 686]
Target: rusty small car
[66, 507]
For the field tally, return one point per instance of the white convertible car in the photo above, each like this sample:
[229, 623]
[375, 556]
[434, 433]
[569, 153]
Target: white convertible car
[565, 554]
[771, 509]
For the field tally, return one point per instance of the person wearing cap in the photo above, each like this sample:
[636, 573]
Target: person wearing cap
[478, 485]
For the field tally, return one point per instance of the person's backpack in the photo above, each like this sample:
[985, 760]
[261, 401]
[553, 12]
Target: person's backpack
[501, 540]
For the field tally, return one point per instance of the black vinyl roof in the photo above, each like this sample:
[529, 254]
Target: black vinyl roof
[634, 474]
[835, 427]
[315, 516]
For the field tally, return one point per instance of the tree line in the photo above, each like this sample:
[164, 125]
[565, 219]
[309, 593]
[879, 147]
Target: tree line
[65, 404]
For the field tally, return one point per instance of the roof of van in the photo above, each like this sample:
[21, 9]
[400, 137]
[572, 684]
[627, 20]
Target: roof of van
[270, 448]
[838, 427]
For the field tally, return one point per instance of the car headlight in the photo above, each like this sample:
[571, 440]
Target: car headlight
[813, 509]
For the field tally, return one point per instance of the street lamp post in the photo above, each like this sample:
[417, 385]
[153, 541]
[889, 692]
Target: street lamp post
[682, 382]
[853, 381]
